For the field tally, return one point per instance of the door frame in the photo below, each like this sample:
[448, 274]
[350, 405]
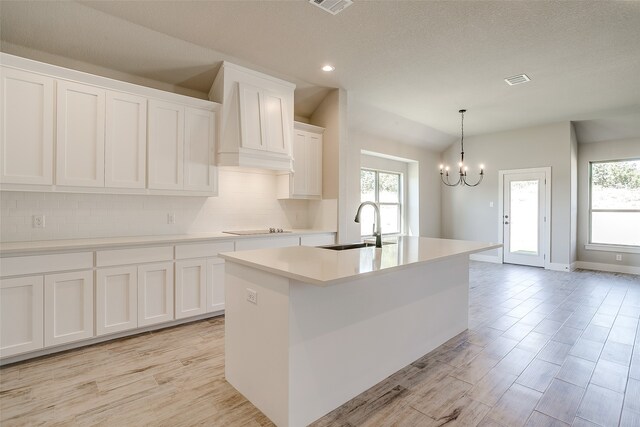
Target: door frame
[546, 246]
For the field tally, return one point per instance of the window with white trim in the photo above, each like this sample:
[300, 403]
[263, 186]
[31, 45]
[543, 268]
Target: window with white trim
[384, 188]
[614, 209]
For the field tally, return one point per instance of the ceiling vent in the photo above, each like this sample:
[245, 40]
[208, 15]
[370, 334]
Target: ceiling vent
[332, 6]
[516, 80]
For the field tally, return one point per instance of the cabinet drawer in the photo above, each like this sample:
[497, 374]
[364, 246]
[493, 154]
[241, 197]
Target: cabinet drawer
[15, 266]
[318, 240]
[203, 250]
[267, 242]
[133, 256]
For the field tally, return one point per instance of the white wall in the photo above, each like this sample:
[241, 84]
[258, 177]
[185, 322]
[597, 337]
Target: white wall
[611, 150]
[465, 211]
[247, 200]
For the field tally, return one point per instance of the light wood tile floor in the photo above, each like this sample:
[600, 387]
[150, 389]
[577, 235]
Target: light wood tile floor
[543, 349]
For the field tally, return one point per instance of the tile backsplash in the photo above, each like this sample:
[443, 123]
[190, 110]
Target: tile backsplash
[246, 200]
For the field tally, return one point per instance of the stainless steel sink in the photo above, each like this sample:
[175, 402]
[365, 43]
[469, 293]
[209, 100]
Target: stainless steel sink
[348, 246]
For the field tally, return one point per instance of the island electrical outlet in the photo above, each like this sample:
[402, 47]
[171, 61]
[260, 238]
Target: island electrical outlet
[252, 296]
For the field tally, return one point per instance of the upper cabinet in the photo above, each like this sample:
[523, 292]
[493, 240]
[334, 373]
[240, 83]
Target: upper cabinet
[26, 126]
[257, 119]
[107, 136]
[305, 182]
[80, 135]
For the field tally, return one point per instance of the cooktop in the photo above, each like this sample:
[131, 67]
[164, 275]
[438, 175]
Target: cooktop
[250, 232]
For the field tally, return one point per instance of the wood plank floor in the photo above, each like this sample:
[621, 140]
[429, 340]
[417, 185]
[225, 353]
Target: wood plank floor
[543, 349]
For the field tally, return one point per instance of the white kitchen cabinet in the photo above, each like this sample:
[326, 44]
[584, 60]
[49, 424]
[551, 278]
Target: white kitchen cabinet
[21, 321]
[318, 240]
[199, 150]
[68, 307]
[256, 118]
[125, 140]
[305, 182]
[80, 135]
[26, 127]
[215, 284]
[191, 290]
[281, 241]
[116, 299]
[155, 293]
[166, 145]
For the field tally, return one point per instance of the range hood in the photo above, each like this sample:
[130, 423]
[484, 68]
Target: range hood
[256, 120]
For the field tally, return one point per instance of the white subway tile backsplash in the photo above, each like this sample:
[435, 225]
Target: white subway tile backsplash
[246, 200]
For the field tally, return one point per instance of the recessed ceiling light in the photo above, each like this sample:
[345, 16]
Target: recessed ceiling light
[328, 68]
[516, 80]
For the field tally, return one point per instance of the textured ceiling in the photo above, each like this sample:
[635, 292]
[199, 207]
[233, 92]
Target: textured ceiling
[419, 61]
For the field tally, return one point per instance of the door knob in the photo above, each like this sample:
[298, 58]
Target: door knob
[506, 222]
[506, 216]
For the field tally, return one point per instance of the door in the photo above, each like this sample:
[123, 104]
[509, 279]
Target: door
[21, 324]
[68, 307]
[300, 164]
[116, 299]
[251, 126]
[155, 293]
[215, 284]
[125, 141]
[524, 218]
[80, 135]
[314, 165]
[26, 127]
[166, 145]
[191, 287]
[199, 136]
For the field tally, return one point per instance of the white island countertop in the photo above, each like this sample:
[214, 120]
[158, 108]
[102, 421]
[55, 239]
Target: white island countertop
[323, 267]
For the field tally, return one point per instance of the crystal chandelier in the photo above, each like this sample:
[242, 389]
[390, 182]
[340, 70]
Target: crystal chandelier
[462, 179]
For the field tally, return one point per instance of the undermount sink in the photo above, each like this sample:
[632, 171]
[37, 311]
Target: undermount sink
[348, 246]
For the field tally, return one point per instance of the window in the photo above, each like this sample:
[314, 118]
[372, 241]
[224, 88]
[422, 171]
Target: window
[385, 188]
[615, 202]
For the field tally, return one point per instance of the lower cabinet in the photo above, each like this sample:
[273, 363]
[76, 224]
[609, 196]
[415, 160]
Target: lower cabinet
[21, 315]
[155, 293]
[215, 284]
[68, 307]
[191, 290]
[116, 299]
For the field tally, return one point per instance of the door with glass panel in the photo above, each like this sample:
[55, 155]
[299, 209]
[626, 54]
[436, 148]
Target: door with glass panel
[524, 218]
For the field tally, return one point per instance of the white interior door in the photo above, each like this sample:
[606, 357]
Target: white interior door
[524, 218]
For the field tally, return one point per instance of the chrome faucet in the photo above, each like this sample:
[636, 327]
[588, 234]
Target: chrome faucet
[377, 226]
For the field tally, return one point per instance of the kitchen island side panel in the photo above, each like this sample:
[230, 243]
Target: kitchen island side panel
[348, 337]
[256, 339]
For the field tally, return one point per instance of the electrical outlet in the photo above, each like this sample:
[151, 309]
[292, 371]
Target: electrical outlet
[252, 296]
[171, 218]
[38, 221]
[490, 204]
[618, 257]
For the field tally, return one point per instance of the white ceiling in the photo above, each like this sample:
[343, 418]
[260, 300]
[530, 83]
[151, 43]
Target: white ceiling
[421, 61]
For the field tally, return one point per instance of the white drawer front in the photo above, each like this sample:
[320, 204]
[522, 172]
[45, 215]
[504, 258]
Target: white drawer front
[267, 242]
[203, 250]
[133, 256]
[15, 266]
[318, 240]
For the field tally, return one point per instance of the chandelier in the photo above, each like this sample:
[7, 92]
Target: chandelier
[462, 179]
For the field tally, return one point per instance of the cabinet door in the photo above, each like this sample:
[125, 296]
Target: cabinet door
[68, 307]
[199, 136]
[21, 324]
[191, 291]
[166, 145]
[80, 135]
[155, 293]
[314, 164]
[26, 127]
[276, 125]
[215, 284]
[125, 141]
[251, 126]
[300, 161]
[116, 299]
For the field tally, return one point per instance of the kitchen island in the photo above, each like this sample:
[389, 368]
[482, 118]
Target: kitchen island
[308, 329]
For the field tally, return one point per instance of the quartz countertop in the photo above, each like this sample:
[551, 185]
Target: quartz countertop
[324, 267]
[26, 248]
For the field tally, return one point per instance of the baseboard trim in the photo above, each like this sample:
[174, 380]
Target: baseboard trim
[613, 268]
[485, 258]
[559, 267]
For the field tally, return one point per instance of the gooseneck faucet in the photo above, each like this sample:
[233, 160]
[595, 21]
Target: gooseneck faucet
[378, 228]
